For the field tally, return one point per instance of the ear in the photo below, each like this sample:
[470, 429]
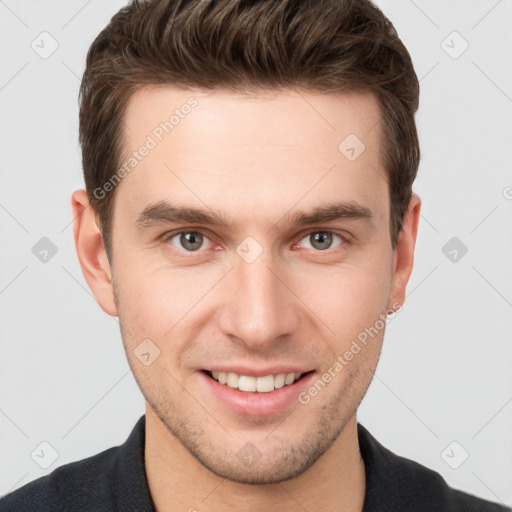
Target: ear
[403, 258]
[91, 252]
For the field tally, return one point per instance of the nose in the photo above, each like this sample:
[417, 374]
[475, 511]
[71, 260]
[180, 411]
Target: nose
[260, 309]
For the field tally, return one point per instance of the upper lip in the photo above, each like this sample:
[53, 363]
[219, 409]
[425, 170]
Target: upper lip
[257, 372]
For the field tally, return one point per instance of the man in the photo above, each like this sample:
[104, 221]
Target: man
[248, 216]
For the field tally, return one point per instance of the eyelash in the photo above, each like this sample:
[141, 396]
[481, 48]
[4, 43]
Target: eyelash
[344, 240]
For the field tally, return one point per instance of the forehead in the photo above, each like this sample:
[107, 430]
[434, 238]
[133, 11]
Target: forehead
[285, 117]
[278, 146]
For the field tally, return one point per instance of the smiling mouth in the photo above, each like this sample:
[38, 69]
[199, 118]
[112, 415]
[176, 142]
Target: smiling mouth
[250, 384]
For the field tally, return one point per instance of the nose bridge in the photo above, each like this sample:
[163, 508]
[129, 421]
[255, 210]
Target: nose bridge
[259, 308]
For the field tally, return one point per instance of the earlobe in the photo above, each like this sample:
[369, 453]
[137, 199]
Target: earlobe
[403, 258]
[91, 252]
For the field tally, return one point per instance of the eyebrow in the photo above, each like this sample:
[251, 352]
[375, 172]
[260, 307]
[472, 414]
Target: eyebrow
[168, 213]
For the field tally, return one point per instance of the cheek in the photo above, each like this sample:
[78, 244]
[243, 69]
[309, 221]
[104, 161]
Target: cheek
[152, 311]
[153, 301]
[347, 299]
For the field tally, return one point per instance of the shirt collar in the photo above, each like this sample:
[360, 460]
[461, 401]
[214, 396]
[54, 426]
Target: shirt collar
[131, 490]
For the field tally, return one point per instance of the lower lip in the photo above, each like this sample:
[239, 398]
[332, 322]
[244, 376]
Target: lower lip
[257, 404]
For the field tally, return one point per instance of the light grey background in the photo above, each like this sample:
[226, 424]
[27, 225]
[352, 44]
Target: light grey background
[445, 372]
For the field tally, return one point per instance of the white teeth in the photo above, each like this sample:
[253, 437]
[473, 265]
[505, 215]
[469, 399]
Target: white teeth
[232, 380]
[246, 383]
[250, 384]
[290, 377]
[265, 384]
[279, 380]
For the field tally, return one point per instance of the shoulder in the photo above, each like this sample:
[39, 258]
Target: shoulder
[114, 479]
[404, 485]
[82, 485]
[426, 486]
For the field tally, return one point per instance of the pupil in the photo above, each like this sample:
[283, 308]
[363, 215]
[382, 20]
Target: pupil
[191, 241]
[322, 237]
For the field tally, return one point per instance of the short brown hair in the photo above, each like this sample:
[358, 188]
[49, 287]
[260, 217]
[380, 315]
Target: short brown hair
[248, 45]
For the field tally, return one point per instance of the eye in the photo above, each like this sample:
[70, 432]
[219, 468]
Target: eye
[194, 241]
[321, 240]
[191, 241]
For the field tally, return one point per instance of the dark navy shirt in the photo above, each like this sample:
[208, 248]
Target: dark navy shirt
[115, 481]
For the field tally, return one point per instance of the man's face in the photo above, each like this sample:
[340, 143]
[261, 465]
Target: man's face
[261, 295]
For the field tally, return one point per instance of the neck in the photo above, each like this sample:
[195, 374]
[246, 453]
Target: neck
[179, 482]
